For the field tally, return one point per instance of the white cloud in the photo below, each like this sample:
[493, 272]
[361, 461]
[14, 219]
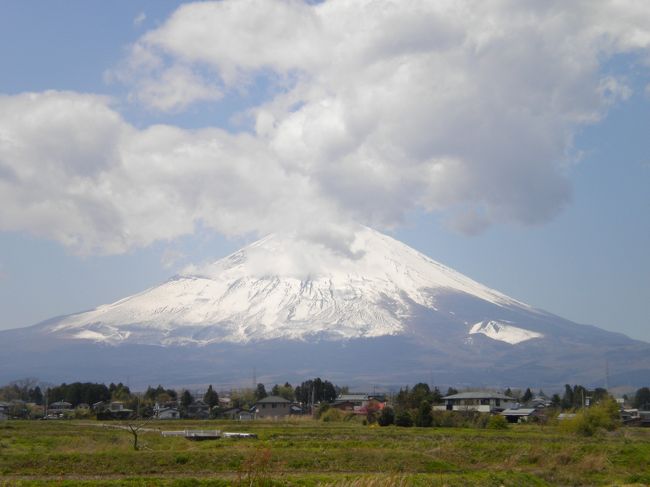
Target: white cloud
[71, 169]
[467, 108]
[175, 88]
[141, 17]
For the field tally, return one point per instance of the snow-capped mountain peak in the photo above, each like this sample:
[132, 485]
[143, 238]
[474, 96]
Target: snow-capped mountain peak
[283, 286]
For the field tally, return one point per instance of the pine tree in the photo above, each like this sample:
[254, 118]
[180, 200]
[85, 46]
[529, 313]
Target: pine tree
[186, 398]
[424, 418]
[211, 398]
[260, 392]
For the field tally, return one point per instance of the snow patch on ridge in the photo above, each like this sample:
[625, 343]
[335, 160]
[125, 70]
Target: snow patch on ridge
[503, 332]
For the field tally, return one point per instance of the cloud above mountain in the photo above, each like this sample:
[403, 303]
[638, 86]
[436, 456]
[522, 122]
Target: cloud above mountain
[373, 109]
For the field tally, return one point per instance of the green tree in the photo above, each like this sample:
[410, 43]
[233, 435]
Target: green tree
[186, 399]
[424, 418]
[436, 396]
[567, 398]
[451, 391]
[211, 398]
[420, 392]
[642, 398]
[404, 419]
[36, 395]
[387, 417]
[260, 392]
[285, 391]
[528, 395]
[556, 401]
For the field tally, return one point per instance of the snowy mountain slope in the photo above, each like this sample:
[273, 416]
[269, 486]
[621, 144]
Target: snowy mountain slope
[371, 313]
[282, 287]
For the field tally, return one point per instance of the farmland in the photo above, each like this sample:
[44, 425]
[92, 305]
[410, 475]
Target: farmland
[312, 453]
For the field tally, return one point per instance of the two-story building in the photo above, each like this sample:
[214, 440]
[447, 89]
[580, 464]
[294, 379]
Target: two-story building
[272, 407]
[481, 401]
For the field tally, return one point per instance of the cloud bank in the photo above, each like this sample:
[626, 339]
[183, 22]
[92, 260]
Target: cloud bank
[463, 108]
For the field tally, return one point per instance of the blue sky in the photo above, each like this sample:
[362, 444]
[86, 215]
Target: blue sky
[539, 173]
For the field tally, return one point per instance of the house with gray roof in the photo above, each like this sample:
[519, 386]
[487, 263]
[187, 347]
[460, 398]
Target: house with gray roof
[481, 401]
[272, 407]
[520, 415]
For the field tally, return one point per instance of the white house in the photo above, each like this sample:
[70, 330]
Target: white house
[163, 412]
[484, 402]
[168, 413]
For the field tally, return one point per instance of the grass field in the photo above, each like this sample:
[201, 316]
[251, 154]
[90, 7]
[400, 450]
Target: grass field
[311, 453]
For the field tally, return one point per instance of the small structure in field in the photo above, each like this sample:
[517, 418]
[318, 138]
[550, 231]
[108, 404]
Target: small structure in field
[521, 415]
[201, 435]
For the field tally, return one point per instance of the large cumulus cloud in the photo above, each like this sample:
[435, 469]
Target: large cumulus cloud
[378, 107]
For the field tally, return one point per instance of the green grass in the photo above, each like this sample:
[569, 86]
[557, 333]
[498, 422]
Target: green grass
[311, 453]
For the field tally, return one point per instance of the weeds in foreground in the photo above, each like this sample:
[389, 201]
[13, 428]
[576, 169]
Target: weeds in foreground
[255, 469]
[391, 481]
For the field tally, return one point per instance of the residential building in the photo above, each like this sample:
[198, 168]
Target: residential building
[272, 407]
[482, 401]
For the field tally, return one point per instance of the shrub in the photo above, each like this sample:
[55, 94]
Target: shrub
[387, 417]
[404, 419]
[497, 422]
[424, 418]
[331, 415]
[322, 409]
[602, 416]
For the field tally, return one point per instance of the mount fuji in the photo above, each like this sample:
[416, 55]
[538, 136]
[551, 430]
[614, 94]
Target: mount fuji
[373, 311]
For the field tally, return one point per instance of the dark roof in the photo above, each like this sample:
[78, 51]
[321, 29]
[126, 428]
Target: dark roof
[479, 395]
[273, 399]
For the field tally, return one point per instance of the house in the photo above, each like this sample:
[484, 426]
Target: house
[644, 417]
[359, 403]
[520, 415]
[59, 410]
[272, 407]
[198, 410]
[167, 413]
[60, 407]
[347, 406]
[481, 401]
[296, 410]
[99, 406]
[114, 410]
[3, 416]
[232, 413]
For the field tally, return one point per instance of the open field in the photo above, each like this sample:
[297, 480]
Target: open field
[311, 453]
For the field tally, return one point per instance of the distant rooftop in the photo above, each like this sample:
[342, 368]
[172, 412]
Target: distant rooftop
[479, 395]
[272, 399]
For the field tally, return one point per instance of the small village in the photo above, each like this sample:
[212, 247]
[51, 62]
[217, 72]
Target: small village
[419, 405]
